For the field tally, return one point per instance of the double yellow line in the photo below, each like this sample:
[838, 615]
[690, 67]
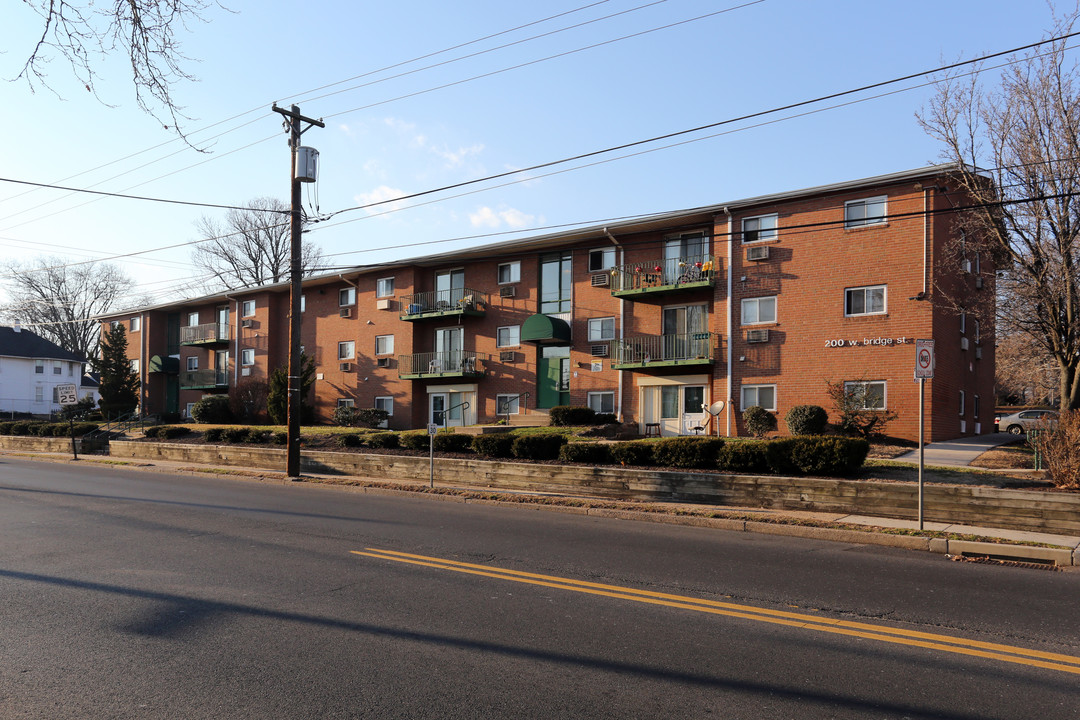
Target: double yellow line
[944, 643]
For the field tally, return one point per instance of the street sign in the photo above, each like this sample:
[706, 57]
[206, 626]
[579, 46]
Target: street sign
[432, 428]
[924, 358]
[68, 394]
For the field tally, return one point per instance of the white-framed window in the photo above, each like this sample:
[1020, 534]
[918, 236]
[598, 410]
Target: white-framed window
[385, 402]
[507, 405]
[976, 331]
[136, 324]
[384, 344]
[601, 259]
[963, 399]
[192, 319]
[303, 303]
[384, 287]
[868, 211]
[759, 228]
[869, 300]
[346, 402]
[975, 406]
[134, 366]
[761, 395]
[247, 356]
[759, 310]
[187, 410]
[601, 402]
[601, 329]
[978, 262]
[39, 367]
[508, 336]
[871, 394]
[346, 296]
[58, 367]
[39, 394]
[510, 272]
[71, 369]
[193, 363]
[247, 308]
[346, 350]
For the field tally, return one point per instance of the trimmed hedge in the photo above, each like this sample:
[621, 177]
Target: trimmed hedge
[687, 452]
[807, 420]
[279, 438]
[635, 452]
[383, 440]
[453, 442]
[212, 409]
[257, 436]
[213, 434]
[539, 447]
[22, 427]
[5, 427]
[605, 419]
[743, 457]
[759, 422]
[499, 445]
[234, 434]
[414, 441]
[571, 415]
[586, 452]
[816, 455]
[353, 440]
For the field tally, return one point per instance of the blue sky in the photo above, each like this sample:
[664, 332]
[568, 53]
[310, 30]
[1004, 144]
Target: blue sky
[389, 136]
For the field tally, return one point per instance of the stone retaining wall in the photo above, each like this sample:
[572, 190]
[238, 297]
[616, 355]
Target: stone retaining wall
[31, 443]
[1038, 511]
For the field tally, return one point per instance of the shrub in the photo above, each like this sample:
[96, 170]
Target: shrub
[1060, 448]
[605, 419]
[538, 447]
[213, 434]
[586, 452]
[152, 431]
[234, 434]
[759, 422]
[21, 427]
[414, 441]
[853, 402]
[5, 428]
[499, 445]
[453, 442]
[371, 417]
[279, 438]
[212, 409]
[247, 400]
[635, 452]
[350, 440]
[168, 432]
[743, 457]
[345, 416]
[383, 440]
[571, 415]
[816, 455]
[256, 435]
[60, 429]
[807, 420]
[687, 452]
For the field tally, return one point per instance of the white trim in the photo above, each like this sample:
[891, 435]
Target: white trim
[884, 300]
[742, 397]
[883, 219]
[772, 232]
[884, 391]
[757, 300]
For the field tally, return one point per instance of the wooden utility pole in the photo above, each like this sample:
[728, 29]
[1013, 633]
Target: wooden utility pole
[293, 118]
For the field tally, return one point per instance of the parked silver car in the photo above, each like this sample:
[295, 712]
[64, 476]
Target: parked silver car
[1020, 422]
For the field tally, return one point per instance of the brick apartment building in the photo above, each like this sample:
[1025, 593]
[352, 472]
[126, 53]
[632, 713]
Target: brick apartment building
[752, 302]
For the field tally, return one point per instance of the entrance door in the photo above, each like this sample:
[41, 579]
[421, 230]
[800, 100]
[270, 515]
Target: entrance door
[449, 344]
[449, 288]
[172, 393]
[678, 409]
[681, 253]
[221, 365]
[680, 324]
[223, 322]
[437, 404]
[553, 377]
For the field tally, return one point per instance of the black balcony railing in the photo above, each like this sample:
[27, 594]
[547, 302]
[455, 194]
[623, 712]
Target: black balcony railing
[694, 348]
[204, 334]
[690, 271]
[439, 303]
[203, 379]
[459, 363]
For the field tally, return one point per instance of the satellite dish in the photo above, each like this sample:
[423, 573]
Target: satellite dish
[716, 408]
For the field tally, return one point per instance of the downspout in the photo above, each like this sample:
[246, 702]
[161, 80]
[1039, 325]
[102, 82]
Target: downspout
[730, 319]
[236, 340]
[143, 374]
[622, 306]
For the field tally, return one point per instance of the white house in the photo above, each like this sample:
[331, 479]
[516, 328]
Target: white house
[30, 369]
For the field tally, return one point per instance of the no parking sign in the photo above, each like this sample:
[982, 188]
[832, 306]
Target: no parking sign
[924, 359]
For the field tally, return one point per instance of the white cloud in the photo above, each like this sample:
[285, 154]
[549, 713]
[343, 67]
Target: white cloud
[454, 158]
[489, 218]
[380, 194]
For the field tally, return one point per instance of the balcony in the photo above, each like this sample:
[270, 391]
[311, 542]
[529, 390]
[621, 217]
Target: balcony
[664, 276]
[204, 379]
[208, 334]
[646, 352]
[443, 303]
[455, 363]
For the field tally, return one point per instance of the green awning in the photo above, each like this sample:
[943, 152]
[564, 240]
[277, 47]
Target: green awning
[164, 363]
[545, 330]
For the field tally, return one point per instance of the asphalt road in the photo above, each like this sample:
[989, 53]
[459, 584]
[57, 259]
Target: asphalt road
[126, 594]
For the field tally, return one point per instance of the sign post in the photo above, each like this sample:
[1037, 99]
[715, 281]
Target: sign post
[432, 428]
[924, 368]
[68, 394]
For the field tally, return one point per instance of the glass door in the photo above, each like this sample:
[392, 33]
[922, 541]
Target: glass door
[221, 366]
[223, 323]
[553, 377]
[449, 289]
[449, 344]
[437, 404]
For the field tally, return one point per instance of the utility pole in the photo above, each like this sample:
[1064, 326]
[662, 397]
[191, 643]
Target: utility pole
[293, 119]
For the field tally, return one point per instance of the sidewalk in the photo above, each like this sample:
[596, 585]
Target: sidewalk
[861, 529]
[957, 453]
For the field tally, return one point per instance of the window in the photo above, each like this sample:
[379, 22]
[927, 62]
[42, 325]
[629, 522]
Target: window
[303, 303]
[346, 296]
[962, 402]
[509, 336]
[134, 366]
[870, 211]
[58, 367]
[756, 229]
[247, 308]
[71, 369]
[864, 301]
[384, 344]
[193, 363]
[247, 356]
[601, 402]
[601, 329]
[758, 310]
[871, 395]
[115, 324]
[136, 324]
[188, 409]
[346, 402]
[510, 272]
[601, 259]
[975, 406]
[39, 394]
[384, 287]
[346, 350]
[385, 402]
[669, 402]
[39, 367]
[963, 323]
[507, 405]
[761, 395]
[192, 319]
[555, 284]
[975, 328]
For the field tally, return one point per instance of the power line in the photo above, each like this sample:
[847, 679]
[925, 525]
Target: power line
[121, 195]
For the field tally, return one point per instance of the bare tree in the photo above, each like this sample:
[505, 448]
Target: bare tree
[1024, 372]
[1017, 143]
[83, 33]
[59, 301]
[251, 247]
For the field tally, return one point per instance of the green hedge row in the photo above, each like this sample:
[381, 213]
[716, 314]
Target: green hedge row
[36, 428]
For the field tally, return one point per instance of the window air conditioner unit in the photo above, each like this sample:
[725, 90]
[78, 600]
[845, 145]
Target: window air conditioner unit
[963, 343]
[978, 353]
[508, 291]
[761, 252]
[344, 367]
[599, 350]
[383, 362]
[507, 356]
[384, 304]
[601, 280]
[966, 265]
[758, 335]
[246, 323]
[245, 371]
[345, 312]
[978, 282]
